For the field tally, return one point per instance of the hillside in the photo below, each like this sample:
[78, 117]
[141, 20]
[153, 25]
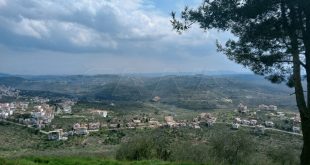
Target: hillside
[187, 91]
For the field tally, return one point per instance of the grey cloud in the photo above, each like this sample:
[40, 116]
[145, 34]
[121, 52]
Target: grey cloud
[116, 32]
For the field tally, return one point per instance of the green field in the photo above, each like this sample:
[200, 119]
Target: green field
[80, 161]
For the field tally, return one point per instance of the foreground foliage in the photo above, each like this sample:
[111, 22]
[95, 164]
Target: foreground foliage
[79, 161]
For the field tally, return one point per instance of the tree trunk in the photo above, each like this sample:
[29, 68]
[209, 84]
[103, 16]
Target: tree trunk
[305, 154]
[301, 102]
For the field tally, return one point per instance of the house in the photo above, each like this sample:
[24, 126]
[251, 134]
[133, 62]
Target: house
[267, 107]
[226, 100]
[169, 119]
[101, 113]
[131, 125]
[113, 126]
[237, 120]
[296, 119]
[263, 107]
[207, 118]
[242, 108]
[136, 121]
[210, 123]
[196, 126]
[245, 122]
[81, 131]
[196, 119]
[104, 125]
[76, 126]
[170, 122]
[204, 116]
[296, 129]
[156, 99]
[56, 135]
[67, 109]
[269, 124]
[94, 126]
[253, 122]
[235, 126]
[273, 108]
[4, 115]
[280, 114]
[259, 129]
[70, 133]
[153, 123]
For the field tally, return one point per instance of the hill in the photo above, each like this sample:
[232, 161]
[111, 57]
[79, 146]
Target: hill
[187, 91]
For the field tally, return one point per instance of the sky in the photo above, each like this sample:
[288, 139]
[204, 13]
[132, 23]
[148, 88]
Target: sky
[52, 37]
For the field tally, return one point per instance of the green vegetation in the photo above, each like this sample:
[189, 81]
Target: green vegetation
[209, 145]
[214, 146]
[80, 161]
[196, 92]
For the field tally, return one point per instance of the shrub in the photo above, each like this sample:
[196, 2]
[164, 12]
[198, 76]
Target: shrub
[284, 155]
[188, 152]
[234, 148]
[137, 148]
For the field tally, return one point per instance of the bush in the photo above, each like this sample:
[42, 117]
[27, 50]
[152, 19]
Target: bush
[234, 148]
[284, 155]
[137, 148]
[2, 161]
[188, 152]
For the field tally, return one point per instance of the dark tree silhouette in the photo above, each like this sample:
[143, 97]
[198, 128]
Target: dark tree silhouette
[273, 40]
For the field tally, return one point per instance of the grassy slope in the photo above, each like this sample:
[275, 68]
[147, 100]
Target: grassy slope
[16, 139]
[79, 161]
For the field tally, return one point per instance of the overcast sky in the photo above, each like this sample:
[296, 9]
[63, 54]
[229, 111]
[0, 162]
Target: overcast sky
[103, 36]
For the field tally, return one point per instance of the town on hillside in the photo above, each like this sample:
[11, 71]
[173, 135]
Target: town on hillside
[40, 113]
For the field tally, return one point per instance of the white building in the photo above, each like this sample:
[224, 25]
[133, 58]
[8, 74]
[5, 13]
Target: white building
[267, 107]
[235, 126]
[237, 120]
[103, 113]
[242, 108]
[245, 122]
[296, 129]
[269, 124]
[56, 135]
[253, 122]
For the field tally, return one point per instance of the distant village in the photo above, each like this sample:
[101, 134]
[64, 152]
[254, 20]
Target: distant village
[37, 113]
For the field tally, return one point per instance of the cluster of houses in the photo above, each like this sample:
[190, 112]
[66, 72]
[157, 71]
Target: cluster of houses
[141, 121]
[65, 106]
[203, 119]
[8, 109]
[39, 100]
[40, 116]
[8, 91]
[264, 107]
[77, 129]
[259, 128]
